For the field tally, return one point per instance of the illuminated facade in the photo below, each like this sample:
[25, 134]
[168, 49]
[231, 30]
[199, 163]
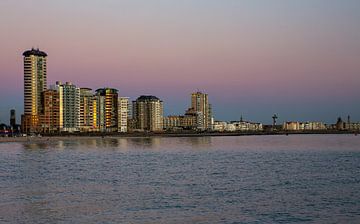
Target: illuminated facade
[34, 85]
[106, 110]
[303, 126]
[49, 118]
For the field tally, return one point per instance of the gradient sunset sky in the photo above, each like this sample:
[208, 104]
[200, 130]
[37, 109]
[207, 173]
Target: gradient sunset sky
[299, 59]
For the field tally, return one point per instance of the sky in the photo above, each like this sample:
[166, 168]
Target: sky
[298, 59]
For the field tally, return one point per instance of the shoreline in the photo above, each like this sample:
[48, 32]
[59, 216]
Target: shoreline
[163, 135]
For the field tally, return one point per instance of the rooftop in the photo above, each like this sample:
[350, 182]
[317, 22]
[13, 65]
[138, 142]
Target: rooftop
[147, 98]
[35, 52]
[103, 91]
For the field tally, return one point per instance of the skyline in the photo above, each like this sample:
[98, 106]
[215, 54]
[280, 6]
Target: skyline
[253, 58]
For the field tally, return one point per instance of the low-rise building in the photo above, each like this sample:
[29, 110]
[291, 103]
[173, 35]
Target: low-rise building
[219, 126]
[172, 122]
[304, 126]
[180, 122]
[314, 125]
[291, 126]
[247, 126]
[353, 126]
[241, 126]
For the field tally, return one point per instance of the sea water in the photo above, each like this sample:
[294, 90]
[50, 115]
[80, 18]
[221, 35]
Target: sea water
[244, 179]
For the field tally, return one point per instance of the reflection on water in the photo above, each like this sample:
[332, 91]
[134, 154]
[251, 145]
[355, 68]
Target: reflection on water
[35, 145]
[252, 179]
[152, 143]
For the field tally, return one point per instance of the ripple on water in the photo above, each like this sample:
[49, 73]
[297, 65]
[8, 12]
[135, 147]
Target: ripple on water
[249, 179]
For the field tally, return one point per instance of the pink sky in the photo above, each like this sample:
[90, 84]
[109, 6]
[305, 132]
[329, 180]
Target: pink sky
[253, 57]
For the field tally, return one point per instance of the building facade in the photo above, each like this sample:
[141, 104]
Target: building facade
[107, 109]
[172, 122]
[69, 104]
[86, 110]
[180, 122]
[50, 116]
[99, 123]
[148, 113]
[123, 112]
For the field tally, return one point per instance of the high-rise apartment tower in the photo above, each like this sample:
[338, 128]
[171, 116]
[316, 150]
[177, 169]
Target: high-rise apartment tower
[34, 85]
[107, 109]
[86, 109]
[200, 104]
[123, 112]
[69, 106]
[148, 113]
[34, 80]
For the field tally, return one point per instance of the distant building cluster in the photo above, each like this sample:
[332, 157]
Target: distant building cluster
[340, 125]
[67, 108]
[346, 125]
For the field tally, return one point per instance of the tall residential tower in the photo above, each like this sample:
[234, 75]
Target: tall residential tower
[200, 104]
[86, 109]
[148, 113]
[69, 106]
[34, 85]
[107, 109]
[123, 112]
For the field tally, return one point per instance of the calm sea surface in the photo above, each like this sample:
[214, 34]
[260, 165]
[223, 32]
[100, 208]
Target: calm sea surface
[248, 179]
